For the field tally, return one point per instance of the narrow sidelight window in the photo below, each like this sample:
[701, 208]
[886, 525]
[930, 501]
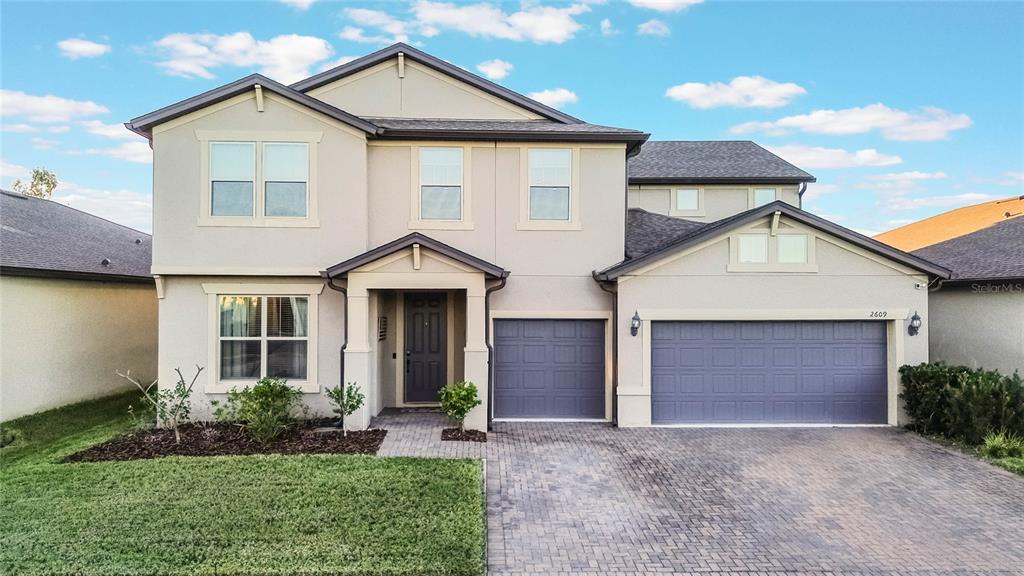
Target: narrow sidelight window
[550, 183]
[232, 173]
[792, 248]
[286, 179]
[763, 196]
[753, 249]
[264, 336]
[441, 183]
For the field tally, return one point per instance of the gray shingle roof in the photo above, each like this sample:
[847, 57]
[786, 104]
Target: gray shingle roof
[711, 161]
[43, 237]
[993, 253]
[400, 124]
[647, 231]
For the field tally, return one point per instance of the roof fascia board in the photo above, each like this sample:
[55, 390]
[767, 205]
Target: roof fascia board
[511, 135]
[770, 180]
[73, 275]
[425, 59]
[407, 241]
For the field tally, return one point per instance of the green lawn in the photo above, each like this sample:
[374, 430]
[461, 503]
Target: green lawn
[254, 515]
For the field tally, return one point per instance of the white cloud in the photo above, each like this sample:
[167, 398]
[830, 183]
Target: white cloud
[354, 34]
[654, 27]
[555, 97]
[132, 209]
[741, 92]
[927, 124]
[336, 63]
[816, 190]
[397, 30]
[299, 4]
[10, 171]
[18, 128]
[533, 22]
[811, 157]
[138, 152]
[904, 203]
[284, 58]
[607, 29]
[75, 48]
[46, 109]
[665, 5]
[44, 143]
[495, 69]
[115, 131]
[899, 182]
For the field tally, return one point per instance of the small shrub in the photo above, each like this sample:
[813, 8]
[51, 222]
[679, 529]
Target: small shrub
[457, 399]
[1002, 445]
[962, 403]
[345, 401]
[265, 411]
[171, 407]
[7, 436]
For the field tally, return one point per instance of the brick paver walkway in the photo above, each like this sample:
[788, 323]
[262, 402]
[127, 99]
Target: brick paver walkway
[592, 499]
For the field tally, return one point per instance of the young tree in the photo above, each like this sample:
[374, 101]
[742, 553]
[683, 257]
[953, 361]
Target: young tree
[346, 401]
[43, 183]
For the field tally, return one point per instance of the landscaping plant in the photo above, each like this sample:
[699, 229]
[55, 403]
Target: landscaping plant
[457, 399]
[1002, 445]
[172, 407]
[6, 437]
[346, 401]
[265, 411]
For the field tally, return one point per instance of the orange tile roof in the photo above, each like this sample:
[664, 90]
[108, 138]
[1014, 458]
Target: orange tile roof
[952, 224]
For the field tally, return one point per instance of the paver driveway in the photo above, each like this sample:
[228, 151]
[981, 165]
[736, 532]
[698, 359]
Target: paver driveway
[591, 499]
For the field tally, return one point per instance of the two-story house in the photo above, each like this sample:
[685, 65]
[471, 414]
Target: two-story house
[399, 223]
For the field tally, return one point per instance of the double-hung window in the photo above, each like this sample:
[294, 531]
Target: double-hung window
[286, 179]
[259, 183]
[263, 336]
[232, 174]
[440, 184]
[550, 184]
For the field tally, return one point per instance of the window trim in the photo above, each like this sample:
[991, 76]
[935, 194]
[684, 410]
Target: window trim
[416, 220]
[258, 138]
[264, 181]
[773, 264]
[673, 209]
[525, 223]
[210, 180]
[751, 195]
[214, 291]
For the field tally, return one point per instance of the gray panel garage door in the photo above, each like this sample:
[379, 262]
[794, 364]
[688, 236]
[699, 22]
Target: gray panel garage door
[768, 372]
[549, 369]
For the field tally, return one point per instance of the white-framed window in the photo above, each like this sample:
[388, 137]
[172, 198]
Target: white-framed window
[762, 196]
[687, 199]
[232, 178]
[441, 196]
[286, 179]
[550, 184]
[263, 336]
[752, 249]
[791, 248]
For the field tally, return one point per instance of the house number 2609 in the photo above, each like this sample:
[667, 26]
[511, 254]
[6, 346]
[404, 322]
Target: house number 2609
[878, 314]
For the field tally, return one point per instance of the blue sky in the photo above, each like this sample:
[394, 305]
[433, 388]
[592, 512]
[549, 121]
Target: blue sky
[902, 110]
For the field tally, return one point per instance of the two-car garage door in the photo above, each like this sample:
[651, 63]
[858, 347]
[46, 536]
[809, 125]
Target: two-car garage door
[820, 372]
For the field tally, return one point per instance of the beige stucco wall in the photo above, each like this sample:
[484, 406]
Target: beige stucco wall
[62, 340]
[978, 326]
[182, 246]
[719, 201]
[421, 93]
[849, 284]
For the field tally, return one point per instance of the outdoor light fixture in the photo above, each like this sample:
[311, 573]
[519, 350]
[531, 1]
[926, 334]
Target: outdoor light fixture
[634, 324]
[915, 325]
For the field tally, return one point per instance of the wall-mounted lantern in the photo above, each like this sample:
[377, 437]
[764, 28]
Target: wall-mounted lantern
[915, 325]
[634, 324]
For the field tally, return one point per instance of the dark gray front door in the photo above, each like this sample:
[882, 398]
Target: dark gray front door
[426, 353]
[549, 369]
[830, 372]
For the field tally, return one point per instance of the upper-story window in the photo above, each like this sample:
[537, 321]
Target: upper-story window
[550, 184]
[441, 183]
[757, 250]
[286, 179]
[753, 249]
[687, 202]
[791, 248]
[762, 196]
[232, 174]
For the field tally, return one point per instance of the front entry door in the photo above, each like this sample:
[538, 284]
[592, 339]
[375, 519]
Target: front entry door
[426, 354]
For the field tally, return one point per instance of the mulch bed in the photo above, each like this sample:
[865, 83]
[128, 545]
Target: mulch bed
[463, 435]
[229, 440]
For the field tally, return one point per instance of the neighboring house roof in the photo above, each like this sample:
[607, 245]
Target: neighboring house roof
[45, 238]
[719, 227]
[711, 162]
[407, 241]
[647, 231]
[435, 63]
[144, 124]
[993, 253]
[952, 224]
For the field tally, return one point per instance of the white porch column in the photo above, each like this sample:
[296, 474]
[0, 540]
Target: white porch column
[475, 368]
[357, 352]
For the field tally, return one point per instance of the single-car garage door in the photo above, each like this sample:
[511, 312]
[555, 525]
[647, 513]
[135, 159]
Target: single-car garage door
[827, 372]
[549, 369]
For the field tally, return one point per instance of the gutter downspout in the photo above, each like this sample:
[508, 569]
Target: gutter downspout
[490, 348]
[344, 337]
[615, 347]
